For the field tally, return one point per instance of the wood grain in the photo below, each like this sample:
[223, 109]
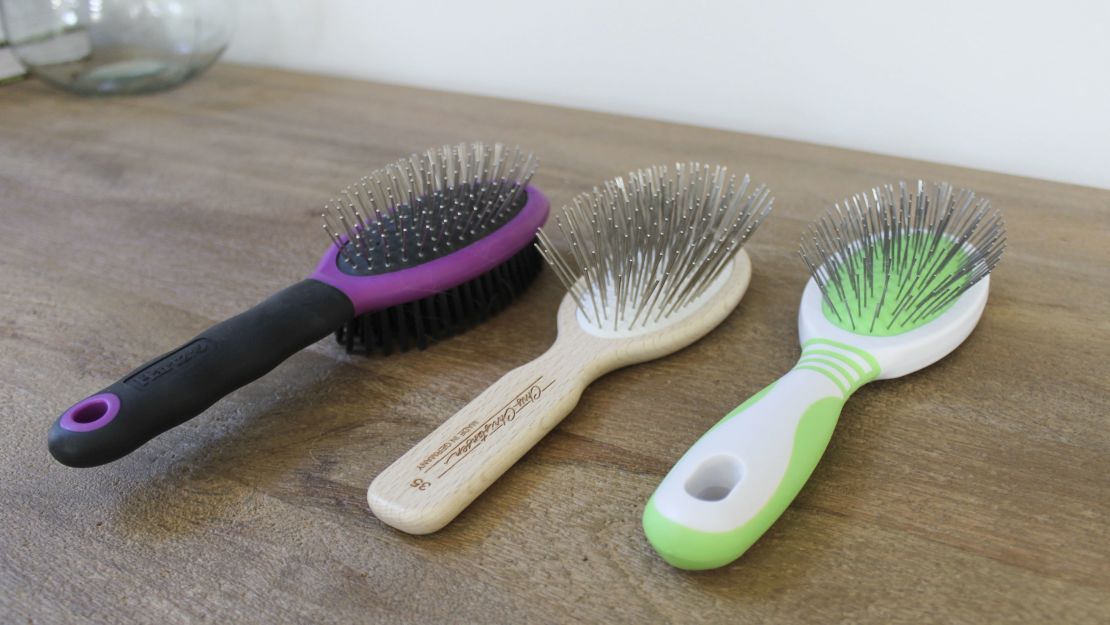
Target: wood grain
[975, 491]
[435, 480]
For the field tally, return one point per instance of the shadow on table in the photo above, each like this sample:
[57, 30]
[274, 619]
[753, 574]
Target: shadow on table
[291, 436]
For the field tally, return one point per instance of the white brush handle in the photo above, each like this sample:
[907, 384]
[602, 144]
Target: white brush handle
[736, 480]
[435, 480]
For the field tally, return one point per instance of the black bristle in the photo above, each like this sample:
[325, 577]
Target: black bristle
[385, 331]
[445, 314]
[454, 296]
[401, 328]
[442, 308]
[422, 315]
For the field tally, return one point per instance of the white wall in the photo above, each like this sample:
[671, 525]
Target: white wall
[1014, 86]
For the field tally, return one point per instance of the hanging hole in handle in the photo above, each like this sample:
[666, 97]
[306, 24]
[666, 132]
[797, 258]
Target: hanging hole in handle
[91, 413]
[714, 479]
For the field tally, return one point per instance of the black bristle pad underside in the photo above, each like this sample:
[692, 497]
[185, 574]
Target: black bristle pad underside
[422, 322]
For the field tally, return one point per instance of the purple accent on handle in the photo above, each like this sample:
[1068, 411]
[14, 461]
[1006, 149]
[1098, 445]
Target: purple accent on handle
[370, 293]
[91, 413]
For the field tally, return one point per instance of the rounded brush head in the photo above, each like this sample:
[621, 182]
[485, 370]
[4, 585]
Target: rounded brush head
[432, 244]
[647, 250]
[900, 272]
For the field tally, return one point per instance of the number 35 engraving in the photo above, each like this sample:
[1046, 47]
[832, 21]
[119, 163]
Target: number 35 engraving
[420, 484]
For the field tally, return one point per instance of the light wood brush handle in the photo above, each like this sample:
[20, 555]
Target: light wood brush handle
[438, 478]
[429, 486]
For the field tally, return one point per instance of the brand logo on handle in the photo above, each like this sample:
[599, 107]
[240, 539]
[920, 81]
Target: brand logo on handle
[170, 363]
[474, 434]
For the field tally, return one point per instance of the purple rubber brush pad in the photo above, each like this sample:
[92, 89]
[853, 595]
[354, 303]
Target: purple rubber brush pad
[375, 292]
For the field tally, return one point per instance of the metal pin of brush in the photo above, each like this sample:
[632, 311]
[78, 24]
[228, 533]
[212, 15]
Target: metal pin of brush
[899, 280]
[651, 262]
[423, 249]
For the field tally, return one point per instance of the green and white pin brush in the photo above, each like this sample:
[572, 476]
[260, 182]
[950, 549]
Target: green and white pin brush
[899, 280]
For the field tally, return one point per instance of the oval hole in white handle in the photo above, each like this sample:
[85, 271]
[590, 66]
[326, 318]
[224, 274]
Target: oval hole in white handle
[716, 478]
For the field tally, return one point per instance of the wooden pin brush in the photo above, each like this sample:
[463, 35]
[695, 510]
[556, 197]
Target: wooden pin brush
[651, 262]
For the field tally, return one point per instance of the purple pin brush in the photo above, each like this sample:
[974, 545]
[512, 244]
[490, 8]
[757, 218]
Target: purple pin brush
[422, 250]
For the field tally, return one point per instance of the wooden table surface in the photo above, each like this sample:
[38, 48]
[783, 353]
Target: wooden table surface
[975, 491]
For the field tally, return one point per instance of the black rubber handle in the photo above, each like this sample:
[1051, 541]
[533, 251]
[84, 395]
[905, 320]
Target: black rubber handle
[179, 385]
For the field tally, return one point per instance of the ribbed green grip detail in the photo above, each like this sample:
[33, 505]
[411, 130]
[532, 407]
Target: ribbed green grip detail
[829, 358]
[691, 549]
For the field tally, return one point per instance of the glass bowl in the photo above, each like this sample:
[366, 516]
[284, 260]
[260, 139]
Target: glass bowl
[117, 46]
